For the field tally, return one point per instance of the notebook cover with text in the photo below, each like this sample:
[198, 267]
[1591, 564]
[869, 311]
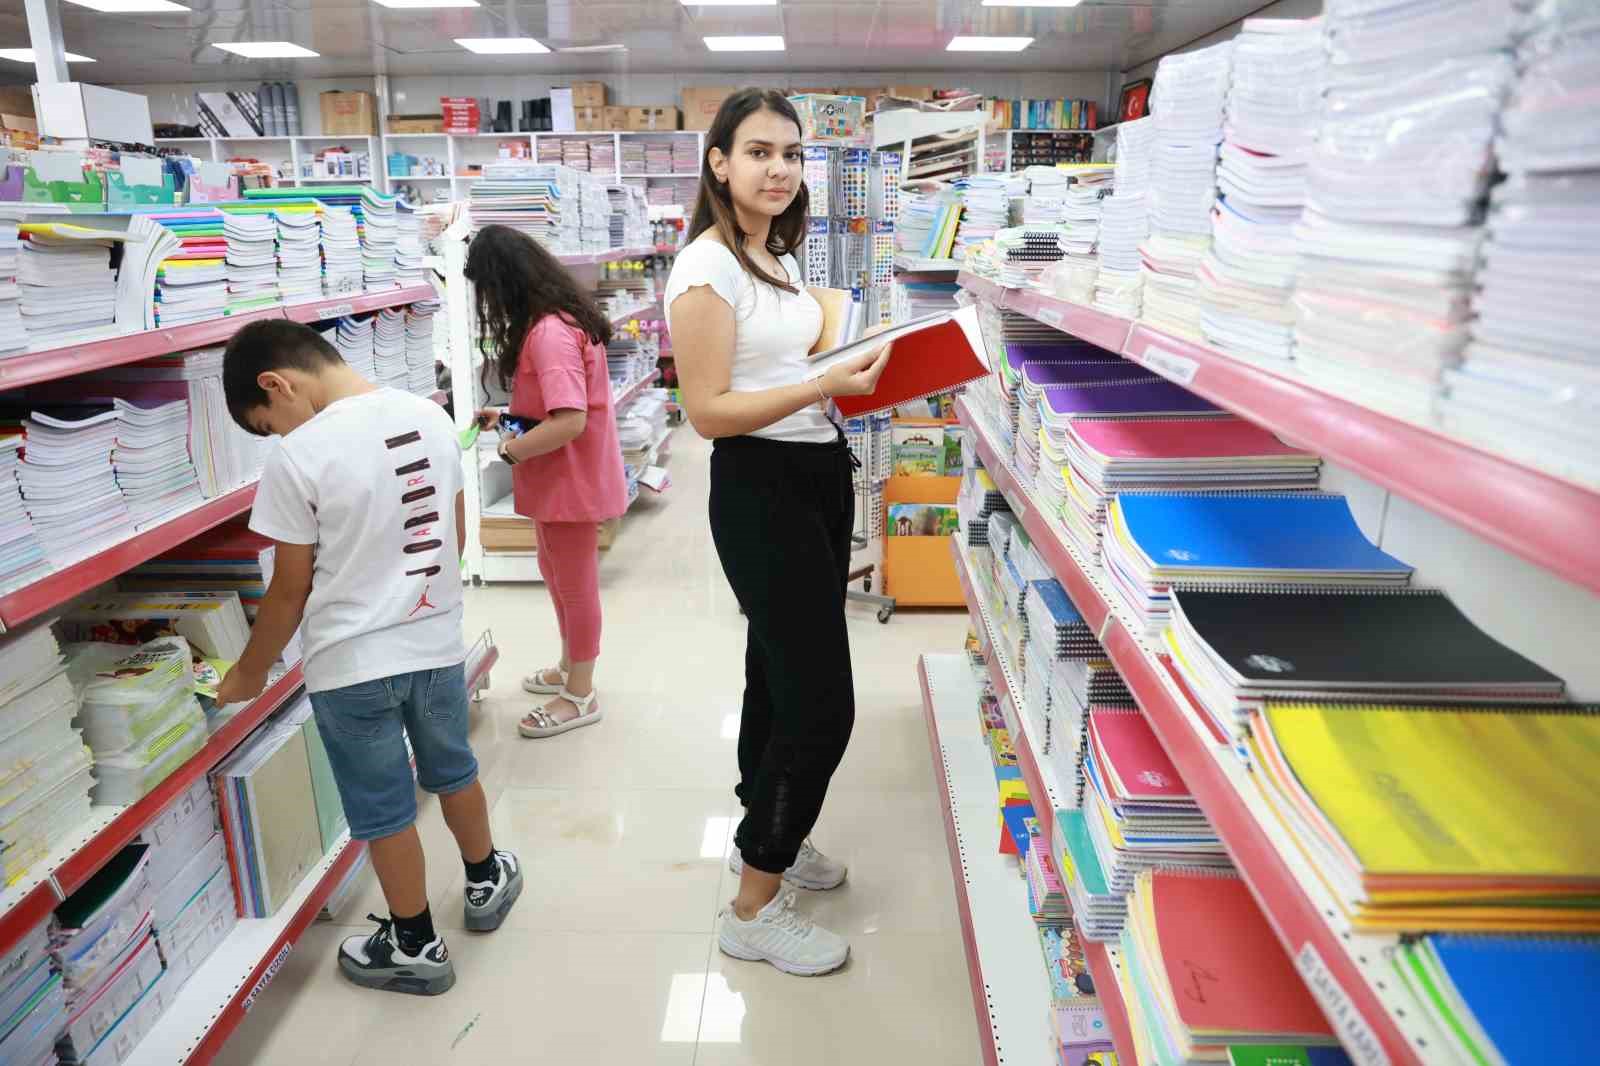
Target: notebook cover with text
[1532, 996]
[1291, 532]
[1353, 639]
[1227, 971]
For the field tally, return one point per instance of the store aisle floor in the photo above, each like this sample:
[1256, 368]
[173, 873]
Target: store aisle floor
[610, 956]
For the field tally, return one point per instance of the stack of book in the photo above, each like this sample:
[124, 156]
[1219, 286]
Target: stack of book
[380, 236]
[139, 712]
[22, 556]
[252, 261]
[685, 155]
[1046, 201]
[389, 349]
[1390, 236]
[356, 339]
[67, 287]
[421, 376]
[1084, 365]
[1247, 276]
[409, 268]
[68, 485]
[1160, 542]
[33, 999]
[191, 282]
[1057, 660]
[44, 767]
[299, 254]
[151, 462]
[193, 908]
[341, 251]
[13, 338]
[1125, 221]
[534, 198]
[1187, 99]
[645, 156]
[987, 200]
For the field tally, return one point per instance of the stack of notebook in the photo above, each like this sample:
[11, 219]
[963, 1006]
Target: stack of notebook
[977, 500]
[139, 714]
[33, 1000]
[389, 349]
[194, 893]
[67, 482]
[1390, 237]
[299, 255]
[1441, 817]
[44, 767]
[212, 621]
[13, 337]
[409, 268]
[1125, 221]
[252, 261]
[1024, 346]
[1106, 456]
[151, 462]
[67, 288]
[421, 377]
[540, 200]
[1057, 658]
[356, 339]
[380, 238]
[191, 283]
[1047, 897]
[1187, 100]
[225, 559]
[1201, 970]
[1235, 649]
[1159, 542]
[22, 556]
[987, 199]
[1084, 366]
[1247, 276]
[1098, 908]
[341, 251]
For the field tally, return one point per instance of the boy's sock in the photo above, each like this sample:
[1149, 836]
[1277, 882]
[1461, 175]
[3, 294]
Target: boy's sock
[414, 933]
[486, 871]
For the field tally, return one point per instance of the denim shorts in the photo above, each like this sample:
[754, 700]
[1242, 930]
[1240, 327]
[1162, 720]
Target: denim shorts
[364, 727]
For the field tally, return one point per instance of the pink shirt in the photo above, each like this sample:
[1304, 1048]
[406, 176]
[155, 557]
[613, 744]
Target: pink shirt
[582, 481]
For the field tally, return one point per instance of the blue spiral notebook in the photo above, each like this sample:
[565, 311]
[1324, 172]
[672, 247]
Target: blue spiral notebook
[1532, 997]
[1268, 536]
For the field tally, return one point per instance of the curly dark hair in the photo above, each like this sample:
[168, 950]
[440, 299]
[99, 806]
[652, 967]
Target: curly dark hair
[517, 283]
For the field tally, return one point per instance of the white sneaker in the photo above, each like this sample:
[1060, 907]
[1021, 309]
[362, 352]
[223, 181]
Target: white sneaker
[811, 869]
[783, 936]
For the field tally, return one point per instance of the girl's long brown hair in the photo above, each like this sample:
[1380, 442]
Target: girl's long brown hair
[517, 282]
[714, 206]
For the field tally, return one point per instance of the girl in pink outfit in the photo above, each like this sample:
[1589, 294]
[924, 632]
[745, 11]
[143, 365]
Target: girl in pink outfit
[548, 341]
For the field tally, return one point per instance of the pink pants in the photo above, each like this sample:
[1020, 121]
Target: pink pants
[569, 559]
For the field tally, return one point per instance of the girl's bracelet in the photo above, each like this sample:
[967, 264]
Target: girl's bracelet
[821, 396]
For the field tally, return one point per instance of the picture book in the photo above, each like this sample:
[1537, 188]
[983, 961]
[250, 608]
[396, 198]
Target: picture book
[917, 449]
[923, 520]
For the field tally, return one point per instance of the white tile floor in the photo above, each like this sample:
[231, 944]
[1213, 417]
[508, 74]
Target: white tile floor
[609, 956]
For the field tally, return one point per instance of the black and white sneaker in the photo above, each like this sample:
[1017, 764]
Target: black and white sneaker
[488, 902]
[376, 961]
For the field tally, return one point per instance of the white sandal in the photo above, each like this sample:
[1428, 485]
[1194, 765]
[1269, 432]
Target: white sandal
[545, 726]
[536, 684]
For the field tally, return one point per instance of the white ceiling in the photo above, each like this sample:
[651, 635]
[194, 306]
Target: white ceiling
[360, 38]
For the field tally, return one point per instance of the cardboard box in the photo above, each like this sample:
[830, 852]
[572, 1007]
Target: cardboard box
[17, 100]
[416, 123]
[912, 92]
[616, 118]
[589, 119]
[700, 103]
[588, 94]
[652, 118]
[507, 535]
[352, 114]
[824, 89]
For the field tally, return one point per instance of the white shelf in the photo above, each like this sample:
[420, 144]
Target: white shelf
[419, 177]
[415, 136]
[1010, 986]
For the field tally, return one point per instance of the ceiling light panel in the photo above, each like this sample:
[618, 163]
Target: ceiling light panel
[266, 49]
[415, 5]
[502, 46]
[25, 55]
[988, 44]
[132, 7]
[744, 44]
[1031, 3]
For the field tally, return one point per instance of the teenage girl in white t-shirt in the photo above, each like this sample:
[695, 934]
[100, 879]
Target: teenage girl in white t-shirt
[782, 510]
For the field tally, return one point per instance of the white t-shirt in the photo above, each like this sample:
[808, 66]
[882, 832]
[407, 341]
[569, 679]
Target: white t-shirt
[371, 480]
[773, 330]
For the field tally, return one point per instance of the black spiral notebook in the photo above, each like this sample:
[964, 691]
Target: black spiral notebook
[1397, 641]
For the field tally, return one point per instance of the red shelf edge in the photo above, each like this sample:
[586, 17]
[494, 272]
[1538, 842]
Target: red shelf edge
[52, 590]
[1109, 992]
[25, 916]
[1540, 517]
[969, 936]
[267, 967]
[357, 303]
[1293, 917]
[88, 860]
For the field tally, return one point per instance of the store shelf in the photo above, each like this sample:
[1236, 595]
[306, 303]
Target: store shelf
[1103, 966]
[55, 589]
[130, 820]
[610, 255]
[1538, 516]
[1345, 970]
[31, 898]
[213, 1003]
[356, 303]
[631, 392]
[918, 265]
[1010, 992]
[649, 310]
[418, 177]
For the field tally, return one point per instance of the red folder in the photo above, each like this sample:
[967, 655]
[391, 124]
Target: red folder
[1228, 973]
[929, 361]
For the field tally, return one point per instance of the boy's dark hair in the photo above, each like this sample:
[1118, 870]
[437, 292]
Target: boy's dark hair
[270, 344]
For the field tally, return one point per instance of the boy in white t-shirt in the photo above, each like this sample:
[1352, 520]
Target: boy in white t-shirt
[363, 497]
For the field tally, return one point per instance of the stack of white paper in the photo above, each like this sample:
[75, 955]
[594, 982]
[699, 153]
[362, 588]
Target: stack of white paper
[67, 288]
[152, 464]
[67, 482]
[1187, 99]
[594, 210]
[421, 377]
[1529, 385]
[252, 265]
[1125, 221]
[408, 266]
[988, 208]
[45, 776]
[299, 255]
[1047, 195]
[538, 199]
[389, 348]
[356, 340]
[380, 232]
[1248, 274]
[341, 251]
[22, 558]
[12, 336]
[1390, 237]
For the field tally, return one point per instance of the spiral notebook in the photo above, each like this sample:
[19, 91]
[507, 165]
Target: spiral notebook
[928, 355]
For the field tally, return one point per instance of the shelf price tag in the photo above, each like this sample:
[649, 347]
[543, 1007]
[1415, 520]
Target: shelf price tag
[1359, 1041]
[267, 976]
[1173, 367]
[338, 310]
[1049, 316]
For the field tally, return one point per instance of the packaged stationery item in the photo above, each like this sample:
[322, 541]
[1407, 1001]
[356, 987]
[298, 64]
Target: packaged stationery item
[918, 449]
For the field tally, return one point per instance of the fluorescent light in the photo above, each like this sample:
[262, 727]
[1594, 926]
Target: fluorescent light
[502, 46]
[729, 3]
[1031, 3]
[266, 49]
[128, 7]
[426, 3]
[594, 48]
[744, 44]
[988, 44]
[25, 55]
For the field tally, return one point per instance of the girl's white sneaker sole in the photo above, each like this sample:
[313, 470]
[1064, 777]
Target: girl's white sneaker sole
[740, 951]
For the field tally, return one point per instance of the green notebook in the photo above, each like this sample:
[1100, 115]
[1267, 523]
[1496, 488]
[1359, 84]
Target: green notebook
[330, 809]
[1286, 1055]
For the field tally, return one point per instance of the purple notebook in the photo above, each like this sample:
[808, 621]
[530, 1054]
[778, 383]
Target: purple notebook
[1114, 399]
[1046, 375]
[1069, 352]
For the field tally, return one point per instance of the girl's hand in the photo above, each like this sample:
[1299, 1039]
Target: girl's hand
[857, 376]
[488, 418]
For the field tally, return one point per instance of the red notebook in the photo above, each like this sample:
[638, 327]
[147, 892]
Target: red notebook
[1228, 973]
[928, 355]
[1135, 764]
[1178, 438]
